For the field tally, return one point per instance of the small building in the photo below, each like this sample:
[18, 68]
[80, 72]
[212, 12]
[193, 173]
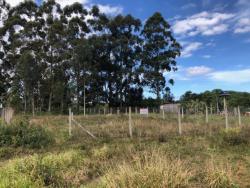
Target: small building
[171, 108]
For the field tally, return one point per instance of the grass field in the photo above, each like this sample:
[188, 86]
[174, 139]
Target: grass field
[156, 156]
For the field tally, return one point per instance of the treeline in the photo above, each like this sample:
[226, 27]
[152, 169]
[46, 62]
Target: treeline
[214, 100]
[54, 57]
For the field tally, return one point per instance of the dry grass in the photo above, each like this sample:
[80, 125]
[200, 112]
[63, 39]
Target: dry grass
[149, 169]
[156, 156]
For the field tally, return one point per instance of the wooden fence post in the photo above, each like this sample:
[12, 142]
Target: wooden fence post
[130, 124]
[239, 116]
[70, 122]
[179, 121]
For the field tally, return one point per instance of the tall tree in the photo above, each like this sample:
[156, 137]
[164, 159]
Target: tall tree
[124, 56]
[76, 32]
[4, 9]
[54, 47]
[160, 50]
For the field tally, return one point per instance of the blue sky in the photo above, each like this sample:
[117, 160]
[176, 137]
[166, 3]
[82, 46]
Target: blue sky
[215, 35]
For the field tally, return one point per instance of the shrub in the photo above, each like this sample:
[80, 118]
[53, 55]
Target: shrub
[162, 138]
[234, 137]
[25, 135]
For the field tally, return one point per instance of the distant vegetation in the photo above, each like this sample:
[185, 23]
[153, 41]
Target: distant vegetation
[213, 98]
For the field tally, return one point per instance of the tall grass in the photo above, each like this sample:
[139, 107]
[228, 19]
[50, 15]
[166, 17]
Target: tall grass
[148, 169]
[39, 171]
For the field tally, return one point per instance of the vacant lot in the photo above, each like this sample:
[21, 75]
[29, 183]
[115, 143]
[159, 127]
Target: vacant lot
[39, 152]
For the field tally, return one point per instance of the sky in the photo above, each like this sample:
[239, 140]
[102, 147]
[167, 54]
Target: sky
[214, 34]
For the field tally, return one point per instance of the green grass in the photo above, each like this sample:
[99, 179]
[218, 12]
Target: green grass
[204, 156]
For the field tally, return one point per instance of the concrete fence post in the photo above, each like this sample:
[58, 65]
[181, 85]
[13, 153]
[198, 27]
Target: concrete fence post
[130, 124]
[239, 116]
[179, 121]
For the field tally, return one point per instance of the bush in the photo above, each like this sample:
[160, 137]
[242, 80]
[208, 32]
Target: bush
[24, 135]
[234, 137]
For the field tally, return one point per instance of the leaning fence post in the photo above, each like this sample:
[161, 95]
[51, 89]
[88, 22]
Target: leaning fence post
[239, 116]
[130, 123]
[179, 121]
[70, 122]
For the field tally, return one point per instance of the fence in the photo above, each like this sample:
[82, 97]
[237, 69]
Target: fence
[180, 121]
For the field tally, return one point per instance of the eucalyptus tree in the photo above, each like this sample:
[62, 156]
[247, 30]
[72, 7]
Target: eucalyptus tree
[74, 18]
[54, 47]
[125, 48]
[4, 9]
[160, 50]
[22, 30]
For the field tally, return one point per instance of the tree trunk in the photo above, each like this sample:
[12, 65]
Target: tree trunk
[62, 105]
[84, 97]
[78, 87]
[33, 105]
[50, 99]
[25, 102]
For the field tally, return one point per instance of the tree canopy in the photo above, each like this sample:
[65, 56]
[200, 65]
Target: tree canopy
[54, 57]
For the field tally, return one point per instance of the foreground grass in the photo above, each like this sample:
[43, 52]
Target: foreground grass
[155, 157]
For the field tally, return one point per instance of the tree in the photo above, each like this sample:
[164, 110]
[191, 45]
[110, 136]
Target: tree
[28, 73]
[160, 50]
[52, 58]
[124, 47]
[4, 84]
[55, 47]
[76, 31]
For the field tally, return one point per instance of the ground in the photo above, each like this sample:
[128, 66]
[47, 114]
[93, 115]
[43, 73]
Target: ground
[157, 156]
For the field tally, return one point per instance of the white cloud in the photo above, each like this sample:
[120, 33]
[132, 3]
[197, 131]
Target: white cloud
[204, 23]
[179, 75]
[232, 77]
[111, 10]
[243, 26]
[14, 2]
[198, 70]
[64, 3]
[189, 48]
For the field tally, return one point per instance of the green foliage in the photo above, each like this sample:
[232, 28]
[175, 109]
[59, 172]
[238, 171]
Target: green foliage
[23, 135]
[54, 59]
[231, 138]
[213, 99]
[39, 171]
[234, 137]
